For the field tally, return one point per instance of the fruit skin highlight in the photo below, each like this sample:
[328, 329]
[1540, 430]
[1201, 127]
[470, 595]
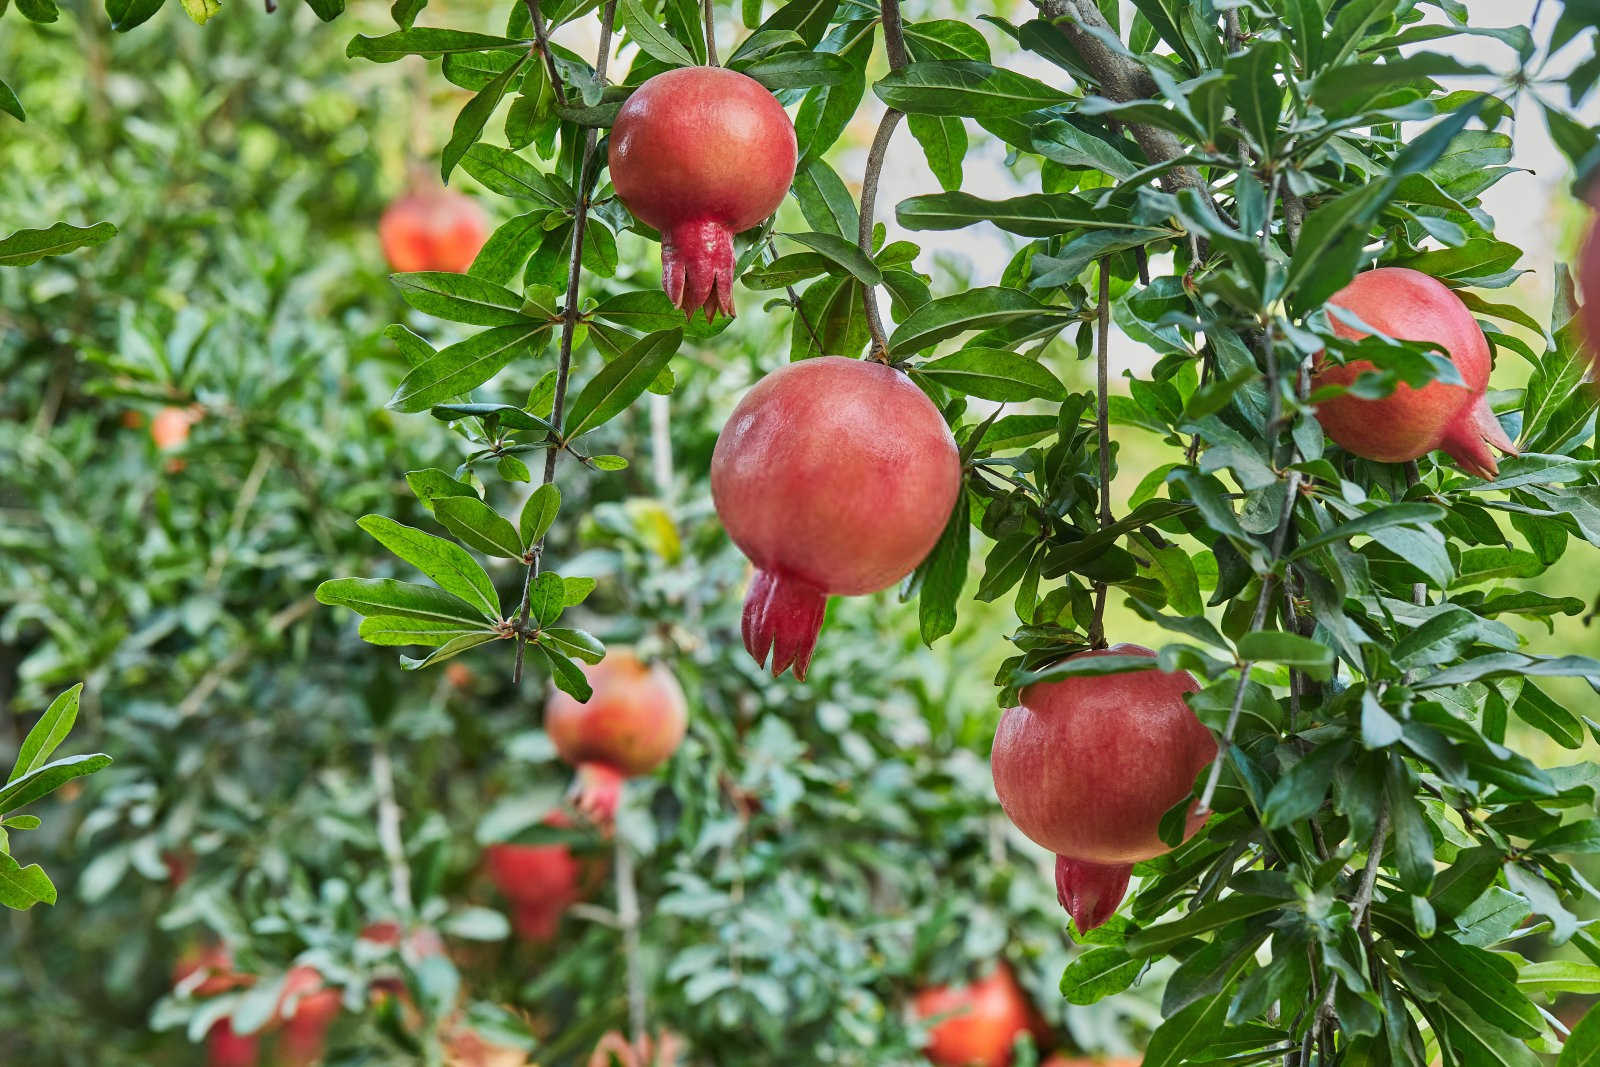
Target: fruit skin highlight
[981, 1021]
[1086, 767]
[631, 724]
[432, 228]
[1408, 305]
[834, 476]
[701, 153]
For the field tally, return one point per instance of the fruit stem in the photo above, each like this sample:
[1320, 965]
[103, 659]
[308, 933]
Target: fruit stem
[1102, 418]
[570, 313]
[894, 44]
[711, 32]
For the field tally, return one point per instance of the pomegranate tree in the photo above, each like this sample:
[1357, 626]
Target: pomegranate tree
[834, 476]
[978, 1023]
[1407, 305]
[1086, 766]
[432, 228]
[632, 722]
[701, 153]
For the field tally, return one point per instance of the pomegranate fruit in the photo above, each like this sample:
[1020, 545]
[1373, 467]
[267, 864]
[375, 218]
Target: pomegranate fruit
[540, 881]
[224, 1048]
[1087, 766]
[701, 153]
[834, 476]
[432, 228]
[979, 1022]
[170, 427]
[632, 722]
[307, 1009]
[213, 964]
[1589, 284]
[1410, 306]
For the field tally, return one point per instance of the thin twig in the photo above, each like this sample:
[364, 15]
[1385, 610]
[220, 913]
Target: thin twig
[711, 31]
[542, 38]
[569, 321]
[389, 838]
[894, 45]
[1362, 902]
[1102, 416]
[628, 922]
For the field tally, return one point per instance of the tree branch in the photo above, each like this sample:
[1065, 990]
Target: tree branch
[707, 9]
[894, 44]
[542, 36]
[1102, 414]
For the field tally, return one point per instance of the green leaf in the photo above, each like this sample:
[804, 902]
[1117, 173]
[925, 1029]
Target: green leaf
[1034, 215]
[1291, 650]
[539, 513]
[449, 649]
[385, 596]
[1183, 1037]
[47, 778]
[993, 374]
[326, 10]
[621, 381]
[798, 70]
[126, 14]
[426, 42]
[970, 88]
[41, 10]
[503, 171]
[842, 252]
[1413, 841]
[10, 104]
[1552, 977]
[547, 597]
[470, 123]
[397, 630]
[1299, 793]
[405, 12]
[463, 366]
[479, 525]
[1097, 973]
[431, 484]
[1409, 514]
[201, 10]
[579, 644]
[29, 246]
[942, 574]
[653, 40]
[976, 309]
[48, 733]
[446, 563]
[23, 887]
[1157, 940]
[576, 590]
[461, 298]
[567, 675]
[944, 142]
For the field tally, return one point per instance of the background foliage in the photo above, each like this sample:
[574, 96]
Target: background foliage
[816, 851]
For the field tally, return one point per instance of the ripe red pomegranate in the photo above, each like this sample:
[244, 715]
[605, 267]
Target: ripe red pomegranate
[170, 427]
[432, 228]
[540, 881]
[834, 476]
[1589, 284]
[980, 1023]
[1086, 766]
[634, 720]
[701, 153]
[1410, 306]
[224, 1048]
[306, 1008]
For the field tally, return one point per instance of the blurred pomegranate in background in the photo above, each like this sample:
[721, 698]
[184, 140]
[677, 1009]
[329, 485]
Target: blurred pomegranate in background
[980, 1022]
[432, 228]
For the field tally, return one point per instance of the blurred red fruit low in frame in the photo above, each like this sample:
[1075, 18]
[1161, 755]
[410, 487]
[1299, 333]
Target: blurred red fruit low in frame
[432, 228]
[979, 1023]
[306, 1009]
[224, 1048]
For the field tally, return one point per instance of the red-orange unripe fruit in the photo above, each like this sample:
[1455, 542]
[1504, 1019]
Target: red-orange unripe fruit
[834, 476]
[1086, 767]
[170, 427]
[1407, 305]
[224, 1048]
[306, 1008]
[432, 229]
[701, 153]
[630, 725]
[981, 1021]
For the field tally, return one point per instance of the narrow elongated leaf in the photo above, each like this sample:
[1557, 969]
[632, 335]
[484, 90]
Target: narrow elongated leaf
[621, 381]
[463, 366]
[474, 116]
[653, 40]
[397, 630]
[47, 778]
[504, 172]
[975, 309]
[842, 252]
[969, 88]
[126, 14]
[993, 374]
[48, 733]
[29, 246]
[450, 566]
[461, 298]
[539, 513]
[10, 104]
[479, 525]
[426, 42]
[385, 596]
[23, 887]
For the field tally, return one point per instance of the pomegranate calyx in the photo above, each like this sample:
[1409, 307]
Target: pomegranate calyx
[1471, 436]
[697, 267]
[782, 615]
[597, 793]
[1091, 892]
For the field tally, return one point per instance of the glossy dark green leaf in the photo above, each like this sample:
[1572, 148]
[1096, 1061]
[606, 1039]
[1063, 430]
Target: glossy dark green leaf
[29, 246]
[620, 382]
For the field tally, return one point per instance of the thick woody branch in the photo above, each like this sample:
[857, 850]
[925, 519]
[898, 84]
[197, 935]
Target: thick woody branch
[1121, 79]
